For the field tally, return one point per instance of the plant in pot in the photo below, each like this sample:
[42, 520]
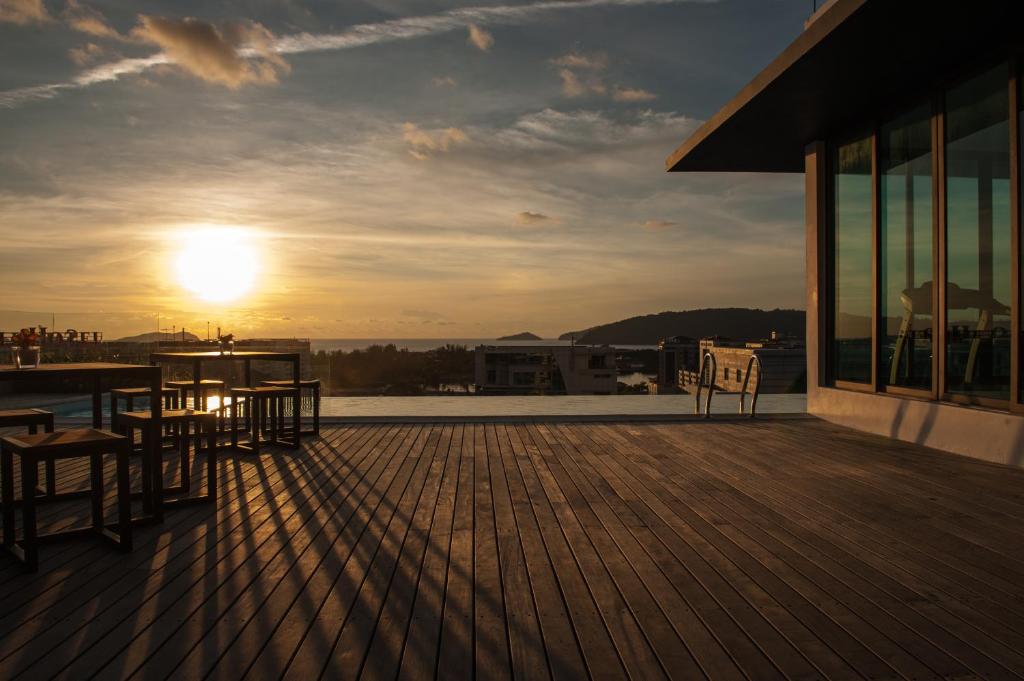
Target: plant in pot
[25, 349]
[227, 343]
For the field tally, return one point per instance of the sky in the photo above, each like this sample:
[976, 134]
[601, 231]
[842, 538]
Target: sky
[381, 168]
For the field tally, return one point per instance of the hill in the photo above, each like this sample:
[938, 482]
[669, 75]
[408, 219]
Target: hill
[524, 336]
[730, 322]
[154, 336]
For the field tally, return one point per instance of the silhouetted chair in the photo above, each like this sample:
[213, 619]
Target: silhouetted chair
[264, 413]
[32, 419]
[66, 444]
[129, 395]
[153, 489]
[313, 386]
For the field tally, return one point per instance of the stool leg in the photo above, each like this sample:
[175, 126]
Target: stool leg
[186, 473]
[96, 481]
[277, 420]
[316, 410]
[51, 464]
[148, 447]
[28, 512]
[156, 457]
[124, 499]
[113, 413]
[211, 461]
[257, 426]
[235, 404]
[7, 493]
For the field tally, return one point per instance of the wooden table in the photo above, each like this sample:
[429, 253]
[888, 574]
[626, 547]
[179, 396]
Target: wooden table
[196, 359]
[94, 372]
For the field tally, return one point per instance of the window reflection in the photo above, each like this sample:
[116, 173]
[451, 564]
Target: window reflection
[851, 350]
[978, 237]
[905, 171]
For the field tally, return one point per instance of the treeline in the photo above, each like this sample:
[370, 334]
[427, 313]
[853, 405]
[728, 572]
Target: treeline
[387, 370]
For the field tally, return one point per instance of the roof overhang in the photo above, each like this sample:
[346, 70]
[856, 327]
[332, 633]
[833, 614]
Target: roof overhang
[856, 61]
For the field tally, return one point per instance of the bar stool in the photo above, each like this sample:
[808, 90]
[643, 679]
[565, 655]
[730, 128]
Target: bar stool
[153, 489]
[313, 385]
[259, 404]
[66, 444]
[207, 386]
[129, 395]
[33, 418]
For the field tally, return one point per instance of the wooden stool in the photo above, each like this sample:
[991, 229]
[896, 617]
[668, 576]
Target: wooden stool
[260, 403]
[207, 386]
[33, 418]
[129, 395]
[67, 444]
[153, 489]
[313, 385]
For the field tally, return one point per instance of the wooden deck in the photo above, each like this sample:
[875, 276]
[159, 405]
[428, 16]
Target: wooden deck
[725, 550]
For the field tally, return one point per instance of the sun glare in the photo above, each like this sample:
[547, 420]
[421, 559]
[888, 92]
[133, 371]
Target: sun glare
[218, 264]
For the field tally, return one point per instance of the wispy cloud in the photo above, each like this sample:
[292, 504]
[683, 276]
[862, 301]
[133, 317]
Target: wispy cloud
[357, 36]
[577, 60]
[444, 81]
[85, 19]
[24, 12]
[423, 142]
[632, 94]
[480, 39]
[657, 225]
[532, 219]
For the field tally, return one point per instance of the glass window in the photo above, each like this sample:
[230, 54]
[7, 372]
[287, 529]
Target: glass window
[978, 237]
[851, 260]
[905, 185]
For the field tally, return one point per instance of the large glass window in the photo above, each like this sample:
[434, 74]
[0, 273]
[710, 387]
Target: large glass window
[978, 237]
[905, 187]
[851, 258]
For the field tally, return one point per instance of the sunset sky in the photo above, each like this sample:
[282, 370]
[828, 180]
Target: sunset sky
[394, 168]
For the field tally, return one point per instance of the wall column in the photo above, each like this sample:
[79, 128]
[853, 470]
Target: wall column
[815, 179]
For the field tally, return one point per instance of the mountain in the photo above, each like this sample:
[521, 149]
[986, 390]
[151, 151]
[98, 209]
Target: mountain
[154, 336]
[524, 336]
[729, 322]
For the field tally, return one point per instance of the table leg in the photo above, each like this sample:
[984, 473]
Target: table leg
[30, 548]
[156, 423]
[297, 410]
[97, 404]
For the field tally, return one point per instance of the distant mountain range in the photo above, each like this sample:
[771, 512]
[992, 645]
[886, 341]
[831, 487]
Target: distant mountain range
[154, 336]
[729, 322]
[524, 336]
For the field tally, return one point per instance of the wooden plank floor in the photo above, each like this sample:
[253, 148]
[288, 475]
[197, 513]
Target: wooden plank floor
[728, 550]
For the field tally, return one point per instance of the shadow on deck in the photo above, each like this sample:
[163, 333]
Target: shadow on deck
[775, 548]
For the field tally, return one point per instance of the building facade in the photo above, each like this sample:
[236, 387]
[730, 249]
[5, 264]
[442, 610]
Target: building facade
[545, 370]
[677, 357]
[781, 365]
[905, 119]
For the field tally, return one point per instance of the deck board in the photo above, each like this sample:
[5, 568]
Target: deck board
[726, 550]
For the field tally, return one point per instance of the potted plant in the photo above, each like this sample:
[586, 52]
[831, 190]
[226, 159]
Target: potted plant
[227, 343]
[25, 349]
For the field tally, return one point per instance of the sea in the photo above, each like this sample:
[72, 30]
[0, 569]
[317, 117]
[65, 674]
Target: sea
[424, 344]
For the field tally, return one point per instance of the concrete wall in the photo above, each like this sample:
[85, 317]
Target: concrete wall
[990, 435]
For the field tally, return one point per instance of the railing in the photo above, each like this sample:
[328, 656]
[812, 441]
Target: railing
[757, 386]
[707, 362]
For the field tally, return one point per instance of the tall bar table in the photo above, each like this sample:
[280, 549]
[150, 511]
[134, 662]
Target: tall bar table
[196, 359]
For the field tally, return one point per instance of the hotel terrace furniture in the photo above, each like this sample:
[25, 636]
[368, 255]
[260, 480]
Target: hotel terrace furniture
[95, 374]
[129, 395]
[65, 444]
[153, 490]
[197, 359]
[313, 386]
[264, 417]
[33, 418]
[907, 121]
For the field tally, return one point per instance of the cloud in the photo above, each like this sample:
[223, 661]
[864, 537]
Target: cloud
[626, 94]
[530, 218]
[443, 81]
[656, 225]
[425, 142]
[88, 20]
[575, 60]
[87, 54]
[575, 86]
[24, 12]
[231, 54]
[479, 38]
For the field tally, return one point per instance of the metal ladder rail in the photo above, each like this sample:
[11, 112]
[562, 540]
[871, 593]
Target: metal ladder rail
[708, 361]
[757, 386]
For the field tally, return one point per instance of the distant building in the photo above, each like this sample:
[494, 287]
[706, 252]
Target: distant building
[546, 369]
[677, 357]
[783, 364]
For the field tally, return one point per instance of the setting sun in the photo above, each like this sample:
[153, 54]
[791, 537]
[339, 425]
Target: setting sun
[218, 264]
